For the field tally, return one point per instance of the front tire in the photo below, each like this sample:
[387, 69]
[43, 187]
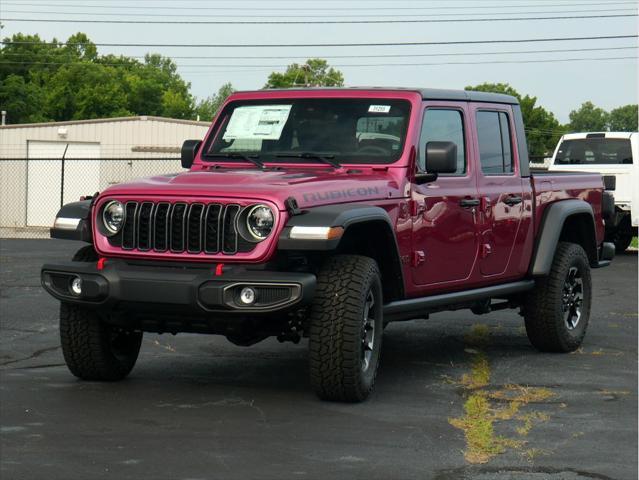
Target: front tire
[346, 325]
[92, 348]
[557, 311]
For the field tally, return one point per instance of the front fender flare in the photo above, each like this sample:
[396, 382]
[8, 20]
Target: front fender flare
[329, 216]
[76, 224]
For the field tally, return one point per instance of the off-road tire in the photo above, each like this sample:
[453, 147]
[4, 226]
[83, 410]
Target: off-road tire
[621, 236]
[622, 242]
[544, 313]
[345, 285]
[92, 348]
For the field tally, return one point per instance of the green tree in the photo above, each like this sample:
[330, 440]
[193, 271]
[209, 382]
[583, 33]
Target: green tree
[314, 73]
[588, 118]
[624, 119]
[22, 100]
[542, 128]
[207, 108]
[70, 80]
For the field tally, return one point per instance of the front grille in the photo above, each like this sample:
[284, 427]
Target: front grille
[181, 228]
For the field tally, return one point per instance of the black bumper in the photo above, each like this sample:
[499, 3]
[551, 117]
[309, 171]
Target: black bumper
[193, 289]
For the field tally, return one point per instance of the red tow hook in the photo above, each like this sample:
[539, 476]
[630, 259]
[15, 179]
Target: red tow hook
[219, 269]
[101, 263]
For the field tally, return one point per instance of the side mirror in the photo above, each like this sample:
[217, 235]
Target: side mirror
[441, 157]
[188, 152]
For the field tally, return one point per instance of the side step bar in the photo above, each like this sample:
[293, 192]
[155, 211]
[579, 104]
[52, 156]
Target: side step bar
[418, 307]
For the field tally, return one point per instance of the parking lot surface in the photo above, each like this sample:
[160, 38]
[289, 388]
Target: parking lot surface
[458, 396]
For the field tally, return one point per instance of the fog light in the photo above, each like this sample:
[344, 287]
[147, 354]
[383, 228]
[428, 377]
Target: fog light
[248, 296]
[76, 286]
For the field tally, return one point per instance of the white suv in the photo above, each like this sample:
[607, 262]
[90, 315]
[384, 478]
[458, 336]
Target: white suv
[613, 154]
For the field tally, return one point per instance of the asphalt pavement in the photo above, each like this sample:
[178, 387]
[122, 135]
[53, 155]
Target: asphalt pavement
[458, 396]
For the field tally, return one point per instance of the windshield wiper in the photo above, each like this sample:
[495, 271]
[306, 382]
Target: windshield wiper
[329, 159]
[254, 159]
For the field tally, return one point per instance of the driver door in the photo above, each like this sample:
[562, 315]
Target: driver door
[445, 235]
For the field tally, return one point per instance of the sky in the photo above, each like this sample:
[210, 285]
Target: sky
[560, 86]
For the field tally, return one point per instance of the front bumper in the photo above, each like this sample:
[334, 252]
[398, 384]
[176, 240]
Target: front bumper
[194, 289]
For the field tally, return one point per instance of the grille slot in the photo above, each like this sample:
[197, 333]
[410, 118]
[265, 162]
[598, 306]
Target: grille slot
[161, 227]
[212, 228]
[128, 229]
[181, 227]
[144, 226]
[229, 232]
[194, 228]
[178, 226]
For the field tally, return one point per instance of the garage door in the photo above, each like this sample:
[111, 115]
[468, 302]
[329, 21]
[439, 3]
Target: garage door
[44, 175]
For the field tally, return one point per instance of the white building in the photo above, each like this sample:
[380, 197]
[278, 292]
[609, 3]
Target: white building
[35, 180]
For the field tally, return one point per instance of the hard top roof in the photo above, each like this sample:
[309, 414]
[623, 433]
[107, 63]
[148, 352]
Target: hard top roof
[426, 93]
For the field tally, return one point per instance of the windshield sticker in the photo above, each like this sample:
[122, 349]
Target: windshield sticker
[264, 122]
[379, 108]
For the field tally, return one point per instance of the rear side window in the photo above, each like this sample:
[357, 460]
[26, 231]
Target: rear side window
[495, 148]
[594, 151]
[443, 125]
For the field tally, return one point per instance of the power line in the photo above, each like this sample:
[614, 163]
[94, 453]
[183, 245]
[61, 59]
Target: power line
[627, 9]
[345, 65]
[399, 55]
[559, 60]
[322, 1]
[368, 8]
[306, 45]
[315, 22]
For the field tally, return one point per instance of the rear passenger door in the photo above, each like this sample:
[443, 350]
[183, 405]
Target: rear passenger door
[500, 188]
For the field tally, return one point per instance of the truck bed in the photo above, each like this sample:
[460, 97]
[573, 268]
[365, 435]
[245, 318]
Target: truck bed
[549, 187]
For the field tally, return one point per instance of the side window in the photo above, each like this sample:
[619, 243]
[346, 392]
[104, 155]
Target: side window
[495, 149]
[443, 125]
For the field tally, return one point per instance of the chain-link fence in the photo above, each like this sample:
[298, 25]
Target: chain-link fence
[32, 190]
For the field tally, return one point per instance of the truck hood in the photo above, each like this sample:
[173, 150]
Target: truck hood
[310, 187]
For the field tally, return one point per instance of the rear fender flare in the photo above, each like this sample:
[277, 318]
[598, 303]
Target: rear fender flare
[552, 225]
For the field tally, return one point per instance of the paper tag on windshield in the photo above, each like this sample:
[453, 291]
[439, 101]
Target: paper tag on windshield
[264, 122]
[379, 108]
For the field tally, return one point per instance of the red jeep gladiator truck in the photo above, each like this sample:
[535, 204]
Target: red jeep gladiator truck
[326, 214]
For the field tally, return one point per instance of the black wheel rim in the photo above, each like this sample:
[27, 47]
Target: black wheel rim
[573, 298]
[368, 331]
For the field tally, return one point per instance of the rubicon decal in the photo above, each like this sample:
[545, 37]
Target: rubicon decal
[342, 194]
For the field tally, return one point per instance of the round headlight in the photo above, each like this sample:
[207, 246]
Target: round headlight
[260, 221]
[113, 217]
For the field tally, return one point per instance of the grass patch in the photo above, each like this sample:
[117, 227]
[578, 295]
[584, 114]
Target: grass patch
[478, 336]
[484, 407]
[477, 424]
[634, 242]
[479, 375]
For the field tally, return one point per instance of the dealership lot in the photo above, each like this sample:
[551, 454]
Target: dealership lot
[200, 407]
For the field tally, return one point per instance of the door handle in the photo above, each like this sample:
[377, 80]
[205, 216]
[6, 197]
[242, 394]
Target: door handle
[512, 200]
[469, 202]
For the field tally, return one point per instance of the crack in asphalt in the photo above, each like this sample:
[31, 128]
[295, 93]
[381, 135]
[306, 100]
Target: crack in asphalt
[35, 354]
[33, 367]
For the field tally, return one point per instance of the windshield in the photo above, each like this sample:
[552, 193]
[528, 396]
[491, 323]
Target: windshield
[294, 130]
[594, 151]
